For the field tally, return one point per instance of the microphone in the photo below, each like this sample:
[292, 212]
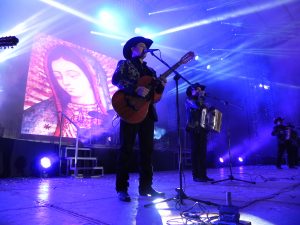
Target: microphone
[151, 50]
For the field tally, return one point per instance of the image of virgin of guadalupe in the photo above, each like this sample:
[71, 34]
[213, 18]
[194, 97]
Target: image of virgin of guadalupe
[79, 99]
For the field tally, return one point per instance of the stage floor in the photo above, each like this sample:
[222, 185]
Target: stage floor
[273, 199]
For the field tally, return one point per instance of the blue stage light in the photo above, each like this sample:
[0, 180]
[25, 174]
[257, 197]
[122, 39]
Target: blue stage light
[107, 19]
[45, 162]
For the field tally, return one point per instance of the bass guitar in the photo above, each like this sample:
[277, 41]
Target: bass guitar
[133, 109]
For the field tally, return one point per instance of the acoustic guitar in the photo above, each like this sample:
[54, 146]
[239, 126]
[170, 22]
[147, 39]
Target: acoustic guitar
[133, 109]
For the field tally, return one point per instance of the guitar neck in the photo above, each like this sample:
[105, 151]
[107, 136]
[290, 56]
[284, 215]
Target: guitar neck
[169, 71]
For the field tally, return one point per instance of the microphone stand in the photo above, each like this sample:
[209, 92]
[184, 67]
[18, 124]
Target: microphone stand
[230, 177]
[60, 145]
[180, 192]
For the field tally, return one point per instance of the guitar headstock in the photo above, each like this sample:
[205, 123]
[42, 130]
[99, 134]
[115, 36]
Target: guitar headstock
[187, 57]
[8, 41]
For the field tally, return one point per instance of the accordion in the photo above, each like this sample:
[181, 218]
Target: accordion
[211, 119]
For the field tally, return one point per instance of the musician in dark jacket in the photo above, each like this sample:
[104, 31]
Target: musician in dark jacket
[195, 104]
[281, 132]
[126, 77]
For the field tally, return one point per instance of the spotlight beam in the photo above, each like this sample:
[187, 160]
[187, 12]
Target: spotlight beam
[27, 29]
[71, 11]
[237, 13]
[83, 16]
[173, 9]
[263, 51]
[223, 5]
[108, 35]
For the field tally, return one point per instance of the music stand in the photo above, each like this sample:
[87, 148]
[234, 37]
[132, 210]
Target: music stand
[230, 177]
[180, 195]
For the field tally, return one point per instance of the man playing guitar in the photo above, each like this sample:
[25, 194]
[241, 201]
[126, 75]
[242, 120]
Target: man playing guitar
[139, 89]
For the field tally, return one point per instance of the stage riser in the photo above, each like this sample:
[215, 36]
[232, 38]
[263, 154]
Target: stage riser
[19, 158]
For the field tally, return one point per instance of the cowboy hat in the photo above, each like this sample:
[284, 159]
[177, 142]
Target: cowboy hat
[194, 86]
[278, 119]
[133, 42]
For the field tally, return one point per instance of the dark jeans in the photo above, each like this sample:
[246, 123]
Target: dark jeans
[292, 151]
[282, 147]
[128, 133]
[199, 150]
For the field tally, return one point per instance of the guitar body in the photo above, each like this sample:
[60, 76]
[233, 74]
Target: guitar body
[147, 81]
[132, 109]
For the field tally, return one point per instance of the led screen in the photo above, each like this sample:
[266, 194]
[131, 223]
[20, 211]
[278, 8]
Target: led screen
[68, 90]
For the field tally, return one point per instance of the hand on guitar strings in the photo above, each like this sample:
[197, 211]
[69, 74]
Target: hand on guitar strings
[142, 91]
[163, 81]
